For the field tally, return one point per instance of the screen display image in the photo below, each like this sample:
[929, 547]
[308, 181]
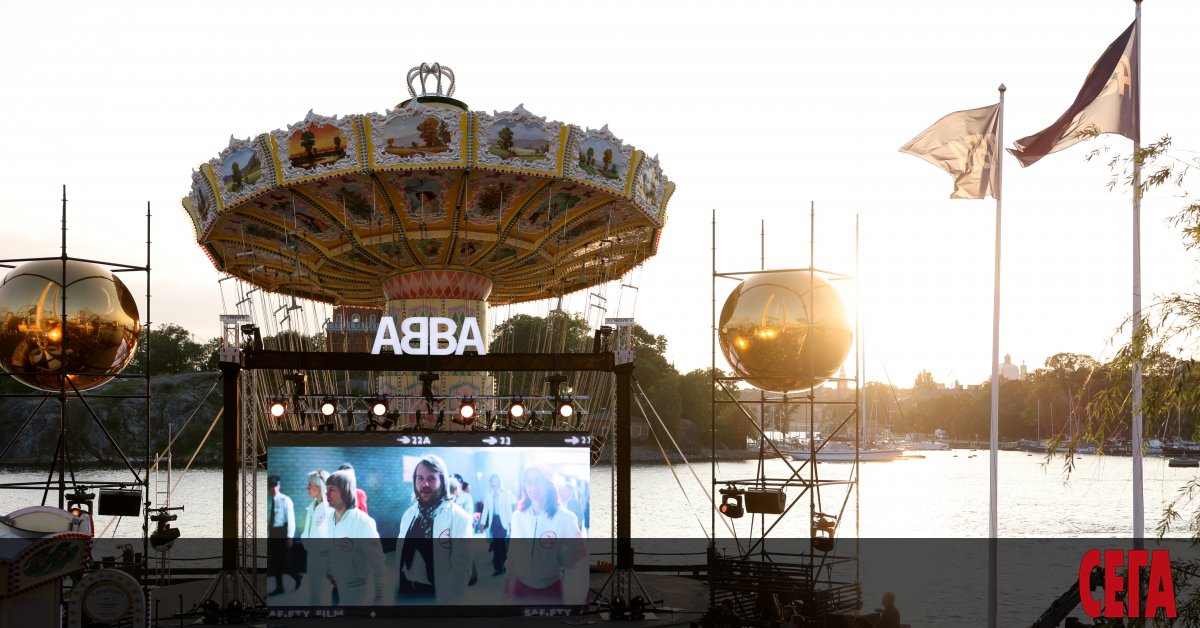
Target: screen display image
[447, 523]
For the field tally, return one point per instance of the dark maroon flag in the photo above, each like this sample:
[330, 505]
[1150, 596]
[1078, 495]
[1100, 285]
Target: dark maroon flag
[1107, 103]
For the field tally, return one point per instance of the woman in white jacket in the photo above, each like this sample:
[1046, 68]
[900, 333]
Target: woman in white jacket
[356, 563]
[546, 544]
[318, 528]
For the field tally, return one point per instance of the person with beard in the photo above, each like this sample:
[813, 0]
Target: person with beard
[355, 554]
[434, 547]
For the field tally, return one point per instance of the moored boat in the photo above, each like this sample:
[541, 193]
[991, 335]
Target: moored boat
[837, 451]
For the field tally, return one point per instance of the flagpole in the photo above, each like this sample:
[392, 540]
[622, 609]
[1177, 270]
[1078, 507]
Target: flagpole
[994, 491]
[1139, 509]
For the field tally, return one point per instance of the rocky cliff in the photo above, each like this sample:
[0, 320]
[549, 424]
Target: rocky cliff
[118, 407]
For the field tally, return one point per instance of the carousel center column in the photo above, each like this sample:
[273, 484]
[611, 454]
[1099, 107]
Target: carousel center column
[451, 293]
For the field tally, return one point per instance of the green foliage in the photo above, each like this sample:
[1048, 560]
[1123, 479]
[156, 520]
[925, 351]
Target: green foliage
[924, 380]
[657, 377]
[505, 139]
[522, 333]
[172, 350]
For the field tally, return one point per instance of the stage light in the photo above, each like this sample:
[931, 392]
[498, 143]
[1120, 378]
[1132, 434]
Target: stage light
[80, 502]
[164, 535]
[427, 380]
[299, 382]
[516, 410]
[600, 339]
[378, 406]
[731, 503]
[565, 409]
[210, 612]
[328, 406]
[278, 407]
[467, 409]
[637, 608]
[256, 342]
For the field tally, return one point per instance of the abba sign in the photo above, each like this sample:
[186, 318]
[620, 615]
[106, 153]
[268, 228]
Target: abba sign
[434, 335]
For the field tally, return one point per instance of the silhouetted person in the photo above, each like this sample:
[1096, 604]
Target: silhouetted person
[889, 615]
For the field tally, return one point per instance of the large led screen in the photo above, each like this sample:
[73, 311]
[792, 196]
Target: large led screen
[427, 524]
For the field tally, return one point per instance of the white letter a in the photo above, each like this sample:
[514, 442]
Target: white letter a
[386, 335]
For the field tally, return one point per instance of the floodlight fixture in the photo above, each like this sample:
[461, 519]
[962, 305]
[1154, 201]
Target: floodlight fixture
[278, 407]
[467, 410]
[564, 408]
[299, 382]
[164, 535]
[328, 406]
[80, 501]
[600, 339]
[731, 502]
[256, 342]
[427, 380]
[516, 410]
[378, 406]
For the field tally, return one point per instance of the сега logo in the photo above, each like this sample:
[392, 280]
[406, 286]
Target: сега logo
[1160, 590]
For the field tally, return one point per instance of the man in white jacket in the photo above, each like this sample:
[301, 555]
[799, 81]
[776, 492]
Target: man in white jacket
[434, 552]
[356, 563]
[281, 528]
[496, 521]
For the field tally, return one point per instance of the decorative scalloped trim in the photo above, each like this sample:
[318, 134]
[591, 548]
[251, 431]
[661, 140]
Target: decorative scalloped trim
[375, 127]
[649, 173]
[290, 174]
[574, 171]
[266, 180]
[202, 204]
[484, 158]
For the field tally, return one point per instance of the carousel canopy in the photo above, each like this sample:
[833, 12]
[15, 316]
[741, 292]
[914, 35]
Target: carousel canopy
[332, 208]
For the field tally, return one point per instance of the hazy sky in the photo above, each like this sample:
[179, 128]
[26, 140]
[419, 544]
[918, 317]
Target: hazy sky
[755, 110]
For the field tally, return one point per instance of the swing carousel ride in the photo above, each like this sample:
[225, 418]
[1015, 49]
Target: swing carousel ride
[427, 209]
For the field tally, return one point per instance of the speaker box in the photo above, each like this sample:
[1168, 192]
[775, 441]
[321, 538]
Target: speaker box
[765, 502]
[120, 503]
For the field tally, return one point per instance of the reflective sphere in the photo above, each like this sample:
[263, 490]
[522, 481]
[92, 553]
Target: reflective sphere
[784, 332]
[101, 325]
